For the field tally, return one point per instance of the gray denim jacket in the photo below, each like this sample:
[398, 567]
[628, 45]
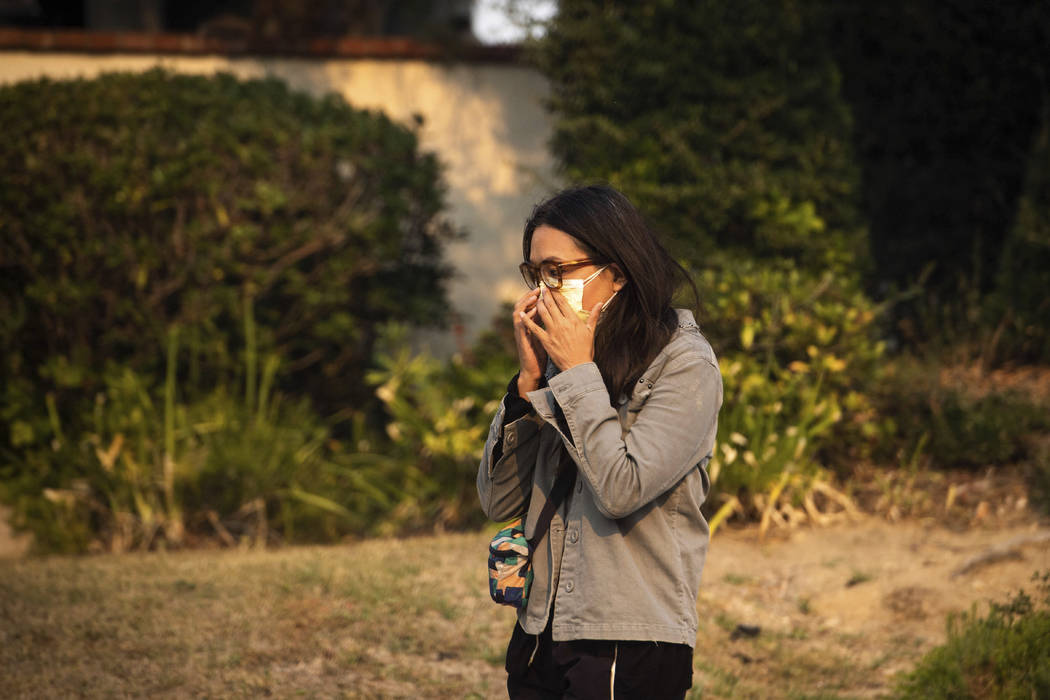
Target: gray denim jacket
[626, 552]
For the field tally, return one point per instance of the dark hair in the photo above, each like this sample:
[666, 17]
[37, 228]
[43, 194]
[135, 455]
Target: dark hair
[639, 321]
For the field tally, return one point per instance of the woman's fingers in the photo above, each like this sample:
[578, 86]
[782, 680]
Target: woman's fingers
[533, 327]
[543, 307]
[557, 306]
[530, 313]
[561, 303]
[526, 304]
[567, 340]
[526, 300]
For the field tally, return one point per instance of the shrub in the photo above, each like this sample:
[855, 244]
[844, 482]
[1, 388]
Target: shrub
[799, 354]
[792, 319]
[138, 207]
[241, 462]
[1000, 655]
[131, 204]
[770, 427]
[439, 413]
[751, 153]
[956, 426]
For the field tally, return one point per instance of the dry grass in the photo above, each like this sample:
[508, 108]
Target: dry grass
[412, 618]
[377, 619]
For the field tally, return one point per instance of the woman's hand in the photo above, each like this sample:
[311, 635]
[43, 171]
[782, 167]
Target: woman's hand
[532, 358]
[567, 340]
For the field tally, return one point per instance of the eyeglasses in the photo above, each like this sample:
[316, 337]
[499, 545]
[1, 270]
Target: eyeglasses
[549, 272]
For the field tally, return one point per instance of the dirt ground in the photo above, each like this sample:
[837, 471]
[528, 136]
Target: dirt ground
[834, 611]
[859, 601]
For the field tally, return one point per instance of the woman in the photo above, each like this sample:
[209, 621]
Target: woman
[628, 388]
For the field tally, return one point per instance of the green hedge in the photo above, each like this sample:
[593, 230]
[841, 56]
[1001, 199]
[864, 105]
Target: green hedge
[131, 204]
[194, 272]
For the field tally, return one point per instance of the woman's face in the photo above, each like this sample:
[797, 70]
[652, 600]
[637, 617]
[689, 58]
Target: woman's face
[551, 245]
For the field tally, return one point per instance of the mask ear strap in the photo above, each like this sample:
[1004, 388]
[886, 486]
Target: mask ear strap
[598, 272]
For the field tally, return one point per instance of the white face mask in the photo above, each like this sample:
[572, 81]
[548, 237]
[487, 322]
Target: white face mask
[572, 290]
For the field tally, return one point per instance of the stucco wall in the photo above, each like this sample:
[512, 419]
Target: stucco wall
[485, 121]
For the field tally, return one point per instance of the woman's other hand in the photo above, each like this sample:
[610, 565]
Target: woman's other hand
[568, 340]
[532, 358]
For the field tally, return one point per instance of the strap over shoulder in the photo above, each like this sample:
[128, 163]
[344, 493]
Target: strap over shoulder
[563, 484]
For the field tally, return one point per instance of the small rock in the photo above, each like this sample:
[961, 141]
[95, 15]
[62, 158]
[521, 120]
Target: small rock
[745, 631]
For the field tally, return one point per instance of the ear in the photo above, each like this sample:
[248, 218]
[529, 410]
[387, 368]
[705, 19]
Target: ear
[619, 279]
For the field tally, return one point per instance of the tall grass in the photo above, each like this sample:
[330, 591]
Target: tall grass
[242, 464]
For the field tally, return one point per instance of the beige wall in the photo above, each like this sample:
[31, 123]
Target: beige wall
[485, 121]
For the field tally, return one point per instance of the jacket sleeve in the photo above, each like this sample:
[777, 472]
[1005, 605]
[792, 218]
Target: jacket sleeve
[509, 459]
[672, 433]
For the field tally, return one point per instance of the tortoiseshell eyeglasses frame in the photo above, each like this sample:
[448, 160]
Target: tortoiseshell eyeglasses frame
[533, 274]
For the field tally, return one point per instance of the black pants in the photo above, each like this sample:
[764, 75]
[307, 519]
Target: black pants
[585, 668]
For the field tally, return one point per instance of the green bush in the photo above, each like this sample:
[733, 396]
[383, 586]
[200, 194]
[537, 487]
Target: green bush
[799, 355]
[956, 427]
[439, 412]
[1001, 655]
[239, 463]
[771, 425]
[135, 203]
[977, 432]
[821, 326]
[243, 221]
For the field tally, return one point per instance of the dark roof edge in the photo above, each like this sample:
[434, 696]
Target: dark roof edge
[75, 40]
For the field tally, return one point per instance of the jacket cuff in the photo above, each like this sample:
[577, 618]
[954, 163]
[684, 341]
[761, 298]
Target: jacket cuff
[574, 382]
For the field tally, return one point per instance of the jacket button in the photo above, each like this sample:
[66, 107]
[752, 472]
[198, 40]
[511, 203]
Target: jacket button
[569, 587]
[574, 536]
[510, 439]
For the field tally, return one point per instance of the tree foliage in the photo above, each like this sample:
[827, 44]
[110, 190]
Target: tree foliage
[723, 121]
[946, 97]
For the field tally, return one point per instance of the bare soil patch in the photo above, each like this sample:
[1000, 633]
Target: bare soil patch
[843, 609]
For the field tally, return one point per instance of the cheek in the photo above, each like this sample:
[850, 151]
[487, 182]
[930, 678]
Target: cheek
[595, 292]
